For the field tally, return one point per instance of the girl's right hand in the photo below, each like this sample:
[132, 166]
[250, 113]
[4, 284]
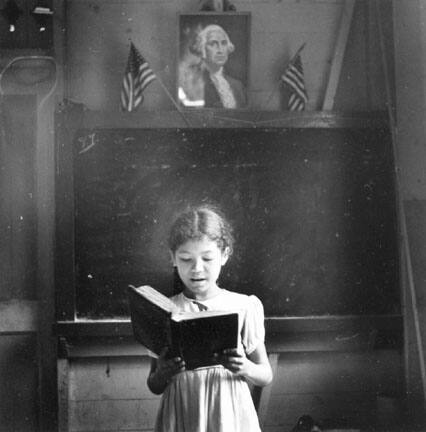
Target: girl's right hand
[167, 367]
[162, 370]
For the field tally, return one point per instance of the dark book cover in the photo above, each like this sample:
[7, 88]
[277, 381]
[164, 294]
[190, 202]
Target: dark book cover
[150, 320]
[196, 340]
[193, 336]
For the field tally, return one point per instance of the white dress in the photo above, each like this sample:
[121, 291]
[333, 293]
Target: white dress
[213, 399]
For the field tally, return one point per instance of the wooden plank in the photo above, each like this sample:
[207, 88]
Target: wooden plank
[293, 325]
[234, 119]
[328, 372]
[265, 396]
[18, 241]
[332, 323]
[63, 395]
[329, 342]
[45, 192]
[413, 235]
[114, 338]
[411, 295]
[66, 122]
[6, 197]
[18, 316]
[18, 383]
[339, 52]
[306, 342]
[60, 48]
[113, 415]
[95, 348]
[374, 68]
[109, 378]
[413, 304]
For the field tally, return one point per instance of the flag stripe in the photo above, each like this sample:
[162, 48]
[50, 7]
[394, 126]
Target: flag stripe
[293, 78]
[137, 77]
[297, 87]
[296, 84]
[144, 85]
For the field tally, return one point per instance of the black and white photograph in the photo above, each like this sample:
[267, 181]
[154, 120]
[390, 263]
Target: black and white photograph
[213, 60]
[212, 216]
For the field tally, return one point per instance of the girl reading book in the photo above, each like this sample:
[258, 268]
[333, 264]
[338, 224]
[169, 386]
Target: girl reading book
[214, 398]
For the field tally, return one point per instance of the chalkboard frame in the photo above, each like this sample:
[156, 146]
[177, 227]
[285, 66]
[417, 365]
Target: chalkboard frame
[72, 117]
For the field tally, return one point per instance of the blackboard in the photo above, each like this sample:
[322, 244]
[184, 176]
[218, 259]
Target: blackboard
[313, 210]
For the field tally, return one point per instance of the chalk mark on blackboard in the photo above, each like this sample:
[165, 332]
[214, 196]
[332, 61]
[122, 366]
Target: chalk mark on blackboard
[120, 140]
[345, 338]
[299, 211]
[87, 142]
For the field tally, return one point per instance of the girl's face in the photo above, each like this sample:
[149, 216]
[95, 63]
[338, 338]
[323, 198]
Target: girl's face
[199, 263]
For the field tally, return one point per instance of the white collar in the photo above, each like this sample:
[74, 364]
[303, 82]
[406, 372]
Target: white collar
[218, 73]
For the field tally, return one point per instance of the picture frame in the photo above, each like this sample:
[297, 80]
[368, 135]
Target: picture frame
[213, 61]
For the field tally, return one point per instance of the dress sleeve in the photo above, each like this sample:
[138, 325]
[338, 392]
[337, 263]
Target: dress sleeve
[253, 330]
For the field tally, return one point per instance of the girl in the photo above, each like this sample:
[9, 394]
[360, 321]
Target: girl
[215, 398]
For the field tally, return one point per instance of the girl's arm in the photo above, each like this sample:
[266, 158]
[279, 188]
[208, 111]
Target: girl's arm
[255, 367]
[162, 370]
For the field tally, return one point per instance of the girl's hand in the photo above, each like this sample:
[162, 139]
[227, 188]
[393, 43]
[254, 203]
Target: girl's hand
[254, 367]
[167, 367]
[236, 361]
[162, 370]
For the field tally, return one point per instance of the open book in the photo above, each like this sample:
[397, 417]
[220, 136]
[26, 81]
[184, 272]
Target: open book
[193, 336]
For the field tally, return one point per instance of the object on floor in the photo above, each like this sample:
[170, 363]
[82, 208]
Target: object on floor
[306, 424]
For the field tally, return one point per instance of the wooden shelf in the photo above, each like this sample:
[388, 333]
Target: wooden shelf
[284, 334]
[211, 118]
[279, 325]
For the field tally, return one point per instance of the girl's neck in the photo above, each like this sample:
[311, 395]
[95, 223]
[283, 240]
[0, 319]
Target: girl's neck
[212, 292]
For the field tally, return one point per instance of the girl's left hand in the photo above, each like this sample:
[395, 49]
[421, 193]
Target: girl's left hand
[235, 361]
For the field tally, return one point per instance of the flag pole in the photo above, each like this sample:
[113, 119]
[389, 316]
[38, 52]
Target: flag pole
[292, 60]
[188, 123]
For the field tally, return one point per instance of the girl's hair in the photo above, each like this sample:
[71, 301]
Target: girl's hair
[200, 221]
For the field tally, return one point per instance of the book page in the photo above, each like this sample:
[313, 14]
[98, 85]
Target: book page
[155, 297]
[182, 316]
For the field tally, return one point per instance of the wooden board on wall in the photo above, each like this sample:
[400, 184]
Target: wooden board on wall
[313, 210]
[18, 382]
[18, 225]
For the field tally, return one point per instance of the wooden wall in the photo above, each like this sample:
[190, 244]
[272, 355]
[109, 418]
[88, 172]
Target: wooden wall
[110, 394]
[19, 406]
[410, 67]
[339, 389]
[343, 390]
[97, 37]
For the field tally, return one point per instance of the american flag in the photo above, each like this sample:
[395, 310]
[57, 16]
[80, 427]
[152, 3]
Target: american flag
[137, 76]
[293, 78]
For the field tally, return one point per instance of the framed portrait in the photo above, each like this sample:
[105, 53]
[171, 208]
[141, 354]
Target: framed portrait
[213, 60]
